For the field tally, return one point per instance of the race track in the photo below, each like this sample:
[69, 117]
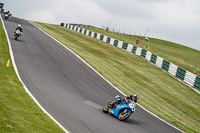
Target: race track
[70, 90]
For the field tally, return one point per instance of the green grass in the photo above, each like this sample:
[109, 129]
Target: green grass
[159, 92]
[18, 112]
[184, 57]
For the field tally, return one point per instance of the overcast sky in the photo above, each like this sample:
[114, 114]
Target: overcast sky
[173, 20]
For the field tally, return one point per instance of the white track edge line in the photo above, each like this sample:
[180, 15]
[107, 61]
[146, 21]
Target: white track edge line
[26, 89]
[106, 79]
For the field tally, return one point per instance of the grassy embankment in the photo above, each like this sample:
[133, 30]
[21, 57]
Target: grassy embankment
[18, 112]
[159, 92]
[186, 58]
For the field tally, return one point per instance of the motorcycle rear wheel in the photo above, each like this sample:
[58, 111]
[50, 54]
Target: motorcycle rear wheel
[123, 116]
[106, 108]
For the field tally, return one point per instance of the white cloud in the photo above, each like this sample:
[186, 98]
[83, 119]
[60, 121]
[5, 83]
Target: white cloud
[174, 20]
[43, 16]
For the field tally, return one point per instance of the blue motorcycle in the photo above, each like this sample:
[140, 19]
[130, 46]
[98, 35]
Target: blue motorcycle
[122, 110]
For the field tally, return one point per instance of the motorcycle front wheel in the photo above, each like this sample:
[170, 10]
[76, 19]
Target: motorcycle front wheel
[16, 37]
[123, 116]
[106, 108]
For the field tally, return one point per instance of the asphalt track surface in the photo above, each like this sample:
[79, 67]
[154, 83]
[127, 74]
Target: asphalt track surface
[70, 90]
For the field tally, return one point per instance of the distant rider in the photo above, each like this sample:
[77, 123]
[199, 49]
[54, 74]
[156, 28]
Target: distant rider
[19, 27]
[8, 12]
[126, 99]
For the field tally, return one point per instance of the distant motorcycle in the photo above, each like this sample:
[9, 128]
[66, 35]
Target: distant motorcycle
[6, 16]
[17, 34]
[122, 111]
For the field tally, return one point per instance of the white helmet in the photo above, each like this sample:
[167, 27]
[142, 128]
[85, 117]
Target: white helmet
[135, 97]
[19, 25]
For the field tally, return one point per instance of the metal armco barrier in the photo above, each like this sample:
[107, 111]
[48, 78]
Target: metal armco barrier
[185, 76]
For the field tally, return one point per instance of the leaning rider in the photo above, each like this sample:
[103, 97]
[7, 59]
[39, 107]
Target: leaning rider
[127, 99]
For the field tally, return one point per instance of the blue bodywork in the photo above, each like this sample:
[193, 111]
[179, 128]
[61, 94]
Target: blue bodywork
[123, 106]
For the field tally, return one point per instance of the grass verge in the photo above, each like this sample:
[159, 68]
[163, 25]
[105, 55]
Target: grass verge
[159, 92]
[18, 112]
[185, 57]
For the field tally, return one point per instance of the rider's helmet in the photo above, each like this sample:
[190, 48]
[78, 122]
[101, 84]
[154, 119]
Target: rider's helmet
[19, 25]
[118, 98]
[135, 97]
